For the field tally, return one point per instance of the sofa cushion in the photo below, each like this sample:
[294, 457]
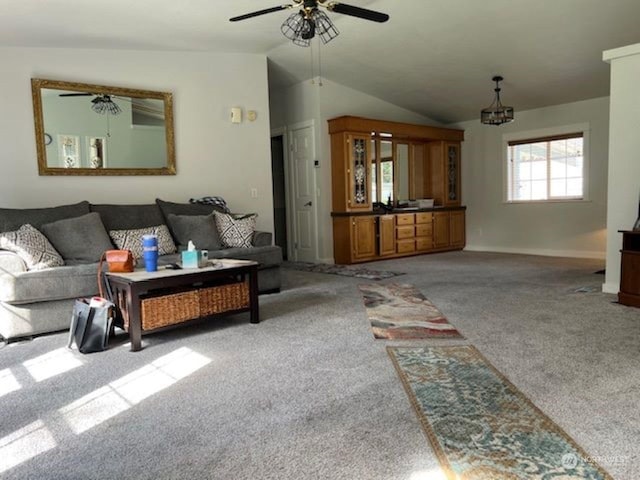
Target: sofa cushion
[32, 247]
[129, 217]
[132, 239]
[80, 239]
[51, 284]
[235, 231]
[14, 218]
[201, 229]
[11, 262]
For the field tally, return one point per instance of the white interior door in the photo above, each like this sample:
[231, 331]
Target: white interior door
[302, 157]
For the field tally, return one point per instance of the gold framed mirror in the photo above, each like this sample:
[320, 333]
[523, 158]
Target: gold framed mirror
[84, 129]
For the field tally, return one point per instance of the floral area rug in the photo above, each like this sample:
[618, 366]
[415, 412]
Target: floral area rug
[347, 271]
[480, 425]
[399, 311]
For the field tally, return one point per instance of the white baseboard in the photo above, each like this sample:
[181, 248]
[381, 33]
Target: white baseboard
[610, 288]
[539, 251]
[326, 260]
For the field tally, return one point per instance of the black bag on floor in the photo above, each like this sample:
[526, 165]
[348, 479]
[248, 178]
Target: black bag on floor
[91, 325]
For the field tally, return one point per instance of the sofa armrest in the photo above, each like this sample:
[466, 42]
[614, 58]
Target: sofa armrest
[11, 263]
[262, 239]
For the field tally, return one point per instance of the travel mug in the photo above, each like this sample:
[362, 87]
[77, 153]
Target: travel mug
[150, 252]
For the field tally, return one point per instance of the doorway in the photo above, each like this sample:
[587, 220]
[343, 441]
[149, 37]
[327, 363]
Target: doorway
[279, 194]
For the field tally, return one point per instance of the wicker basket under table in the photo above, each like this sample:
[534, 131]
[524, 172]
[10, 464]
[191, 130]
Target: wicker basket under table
[175, 308]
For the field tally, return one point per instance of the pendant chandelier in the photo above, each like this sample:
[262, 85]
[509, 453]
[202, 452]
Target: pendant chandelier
[496, 113]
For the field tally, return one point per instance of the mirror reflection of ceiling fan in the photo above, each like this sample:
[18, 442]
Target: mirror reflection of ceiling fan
[102, 104]
[310, 20]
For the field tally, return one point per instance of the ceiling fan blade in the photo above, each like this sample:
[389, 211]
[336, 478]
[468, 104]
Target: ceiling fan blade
[75, 94]
[260, 12]
[358, 12]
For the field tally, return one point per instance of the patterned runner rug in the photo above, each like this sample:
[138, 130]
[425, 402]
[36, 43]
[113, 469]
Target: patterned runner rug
[400, 311]
[480, 425]
[347, 271]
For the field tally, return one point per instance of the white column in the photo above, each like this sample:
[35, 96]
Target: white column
[623, 196]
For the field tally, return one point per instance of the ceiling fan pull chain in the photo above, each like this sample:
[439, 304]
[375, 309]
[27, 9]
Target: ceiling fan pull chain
[313, 76]
[319, 64]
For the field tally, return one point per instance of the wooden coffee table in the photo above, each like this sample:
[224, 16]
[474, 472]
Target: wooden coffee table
[152, 301]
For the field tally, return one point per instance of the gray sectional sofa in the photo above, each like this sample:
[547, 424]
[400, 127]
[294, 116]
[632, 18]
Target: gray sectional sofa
[40, 301]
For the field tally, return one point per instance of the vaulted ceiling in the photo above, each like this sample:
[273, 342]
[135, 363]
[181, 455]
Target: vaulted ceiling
[435, 57]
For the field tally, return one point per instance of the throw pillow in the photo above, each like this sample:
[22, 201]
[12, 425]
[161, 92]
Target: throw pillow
[79, 240]
[236, 231]
[32, 247]
[200, 229]
[132, 240]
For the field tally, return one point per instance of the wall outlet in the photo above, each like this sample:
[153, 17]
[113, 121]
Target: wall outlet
[254, 193]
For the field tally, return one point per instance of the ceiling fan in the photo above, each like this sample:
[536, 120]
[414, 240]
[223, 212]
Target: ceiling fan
[302, 26]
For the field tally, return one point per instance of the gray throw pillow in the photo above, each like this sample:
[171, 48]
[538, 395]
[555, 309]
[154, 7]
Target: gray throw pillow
[200, 229]
[79, 240]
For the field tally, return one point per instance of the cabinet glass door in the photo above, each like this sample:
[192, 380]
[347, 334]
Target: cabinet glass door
[359, 172]
[453, 174]
[374, 171]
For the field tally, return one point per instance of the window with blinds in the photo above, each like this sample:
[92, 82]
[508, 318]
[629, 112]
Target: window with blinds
[548, 168]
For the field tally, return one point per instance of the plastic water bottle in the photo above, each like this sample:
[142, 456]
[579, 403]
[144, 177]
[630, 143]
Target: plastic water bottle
[150, 252]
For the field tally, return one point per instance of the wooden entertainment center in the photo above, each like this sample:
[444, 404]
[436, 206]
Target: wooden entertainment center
[629, 293]
[379, 171]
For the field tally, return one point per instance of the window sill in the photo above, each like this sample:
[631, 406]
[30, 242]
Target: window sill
[555, 200]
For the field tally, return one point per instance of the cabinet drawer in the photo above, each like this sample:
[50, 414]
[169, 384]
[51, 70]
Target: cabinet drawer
[424, 230]
[404, 232]
[424, 243]
[405, 246]
[404, 219]
[424, 217]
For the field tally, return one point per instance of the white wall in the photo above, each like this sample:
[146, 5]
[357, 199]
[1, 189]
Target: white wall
[624, 154]
[307, 101]
[213, 156]
[574, 229]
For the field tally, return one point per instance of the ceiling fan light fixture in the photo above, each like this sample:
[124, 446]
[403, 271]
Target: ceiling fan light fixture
[325, 29]
[302, 26]
[496, 113]
[294, 27]
[103, 104]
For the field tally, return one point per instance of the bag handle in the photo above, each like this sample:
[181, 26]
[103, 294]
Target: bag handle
[101, 278]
